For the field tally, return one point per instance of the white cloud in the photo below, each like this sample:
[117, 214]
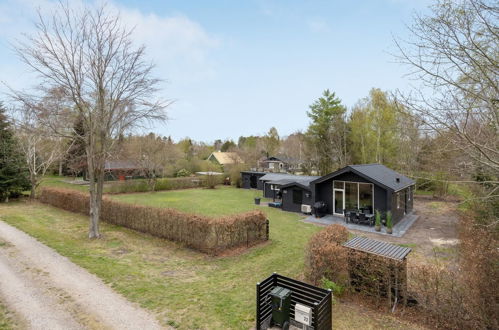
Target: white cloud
[179, 46]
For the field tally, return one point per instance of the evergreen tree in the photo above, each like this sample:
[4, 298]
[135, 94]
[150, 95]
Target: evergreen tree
[13, 174]
[326, 134]
[76, 157]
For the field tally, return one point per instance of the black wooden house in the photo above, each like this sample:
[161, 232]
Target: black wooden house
[370, 187]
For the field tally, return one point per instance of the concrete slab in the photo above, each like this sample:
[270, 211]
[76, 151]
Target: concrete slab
[398, 230]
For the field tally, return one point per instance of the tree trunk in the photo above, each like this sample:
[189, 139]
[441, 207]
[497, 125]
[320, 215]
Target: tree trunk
[60, 168]
[92, 166]
[32, 193]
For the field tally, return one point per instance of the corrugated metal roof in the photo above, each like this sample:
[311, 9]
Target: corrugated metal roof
[302, 179]
[379, 248]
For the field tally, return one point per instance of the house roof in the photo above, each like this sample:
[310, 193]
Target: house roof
[295, 184]
[280, 158]
[226, 158]
[377, 173]
[379, 248]
[121, 165]
[254, 172]
[282, 178]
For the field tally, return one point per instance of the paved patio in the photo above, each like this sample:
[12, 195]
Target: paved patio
[398, 230]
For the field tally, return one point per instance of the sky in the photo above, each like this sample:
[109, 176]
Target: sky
[237, 68]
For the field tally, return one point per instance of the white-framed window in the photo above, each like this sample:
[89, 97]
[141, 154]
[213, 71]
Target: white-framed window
[274, 187]
[271, 165]
[398, 200]
[409, 193]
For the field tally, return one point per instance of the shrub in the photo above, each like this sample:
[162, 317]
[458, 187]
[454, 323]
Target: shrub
[326, 258]
[131, 186]
[182, 173]
[336, 288]
[211, 235]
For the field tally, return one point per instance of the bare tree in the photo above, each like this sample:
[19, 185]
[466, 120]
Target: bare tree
[90, 57]
[149, 153]
[41, 149]
[454, 54]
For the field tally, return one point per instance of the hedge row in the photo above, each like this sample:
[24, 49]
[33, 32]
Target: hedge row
[210, 235]
[141, 185]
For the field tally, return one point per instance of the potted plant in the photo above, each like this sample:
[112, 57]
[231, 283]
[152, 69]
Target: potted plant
[389, 223]
[377, 221]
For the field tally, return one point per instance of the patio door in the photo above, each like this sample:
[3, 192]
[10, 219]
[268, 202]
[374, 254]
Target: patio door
[338, 201]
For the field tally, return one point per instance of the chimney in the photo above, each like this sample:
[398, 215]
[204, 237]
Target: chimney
[398, 180]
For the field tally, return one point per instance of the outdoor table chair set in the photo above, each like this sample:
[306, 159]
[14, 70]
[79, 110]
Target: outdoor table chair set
[359, 217]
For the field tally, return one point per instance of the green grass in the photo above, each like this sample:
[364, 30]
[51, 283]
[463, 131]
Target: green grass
[60, 182]
[6, 319]
[212, 202]
[184, 288]
[194, 290]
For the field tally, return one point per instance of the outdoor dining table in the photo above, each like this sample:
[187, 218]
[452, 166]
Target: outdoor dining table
[348, 216]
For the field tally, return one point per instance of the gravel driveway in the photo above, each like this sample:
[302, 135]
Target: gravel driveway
[47, 291]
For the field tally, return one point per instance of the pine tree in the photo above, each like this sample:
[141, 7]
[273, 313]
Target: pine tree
[327, 132]
[13, 174]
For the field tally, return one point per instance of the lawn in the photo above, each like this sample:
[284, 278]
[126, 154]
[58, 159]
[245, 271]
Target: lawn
[212, 202]
[6, 318]
[184, 288]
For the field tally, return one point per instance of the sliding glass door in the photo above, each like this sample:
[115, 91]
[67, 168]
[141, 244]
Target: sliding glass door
[352, 196]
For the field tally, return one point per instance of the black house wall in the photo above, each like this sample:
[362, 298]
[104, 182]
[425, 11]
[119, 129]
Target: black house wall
[267, 192]
[324, 191]
[287, 199]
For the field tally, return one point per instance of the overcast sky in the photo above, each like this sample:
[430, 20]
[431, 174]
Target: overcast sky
[240, 67]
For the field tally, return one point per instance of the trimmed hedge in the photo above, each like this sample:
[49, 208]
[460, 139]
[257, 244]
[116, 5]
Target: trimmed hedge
[210, 235]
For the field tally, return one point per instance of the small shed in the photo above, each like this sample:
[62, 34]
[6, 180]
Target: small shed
[378, 268]
[294, 195]
[272, 182]
[251, 180]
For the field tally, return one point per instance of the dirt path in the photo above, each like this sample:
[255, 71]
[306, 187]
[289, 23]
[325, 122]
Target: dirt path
[435, 231]
[47, 291]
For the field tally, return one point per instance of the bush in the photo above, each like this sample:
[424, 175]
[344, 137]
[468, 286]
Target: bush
[326, 258]
[211, 235]
[335, 288]
[131, 186]
[182, 173]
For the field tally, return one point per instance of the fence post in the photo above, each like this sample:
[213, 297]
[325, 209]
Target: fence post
[268, 229]
[258, 321]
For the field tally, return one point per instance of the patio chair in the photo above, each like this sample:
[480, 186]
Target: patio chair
[363, 219]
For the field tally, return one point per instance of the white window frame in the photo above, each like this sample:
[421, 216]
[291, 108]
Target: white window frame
[398, 200]
[358, 192]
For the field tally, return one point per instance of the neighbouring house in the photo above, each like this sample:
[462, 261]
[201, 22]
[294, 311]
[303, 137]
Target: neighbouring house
[369, 187]
[278, 164]
[225, 158]
[122, 170]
